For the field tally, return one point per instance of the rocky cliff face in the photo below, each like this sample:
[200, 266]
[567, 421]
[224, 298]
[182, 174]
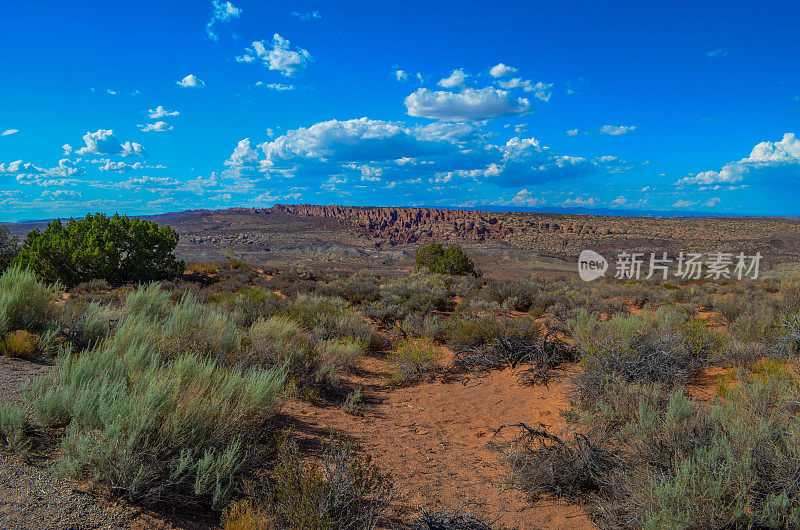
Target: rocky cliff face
[410, 225]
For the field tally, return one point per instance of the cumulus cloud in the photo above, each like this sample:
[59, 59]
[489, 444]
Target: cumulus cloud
[718, 52]
[355, 154]
[191, 81]
[541, 90]
[469, 105]
[305, 17]
[103, 142]
[454, 80]
[501, 70]
[401, 75]
[161, 112]
[526, 161]
[572, 132]
[159, 126]
[683, 203]
[281, 57]
[9, 132]
[580, 201]
[619, 201]
[616, 130]
[770, 160]
[221, 12]
[525, 197]
[713, 201]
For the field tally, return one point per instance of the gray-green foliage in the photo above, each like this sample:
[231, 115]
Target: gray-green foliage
[25, 302]
[150, 412]
[13, 427]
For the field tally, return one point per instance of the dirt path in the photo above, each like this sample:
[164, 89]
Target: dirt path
[432, 438]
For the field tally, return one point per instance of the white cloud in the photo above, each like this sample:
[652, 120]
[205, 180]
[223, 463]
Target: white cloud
[469, 105]
[713, 201]
[119, 167]
[161, 112]
[280, 57]
[159, 126]
[572, 132]
[103, 142]
[401, 75]
[221, 13]
[541, 90]
[111, 92]
[619, 200]
[616, 130]
[305, 17]
[718, 52]
[683, 203]
[275, 86]
[191, 81]
[580, 201]
[455, 80]
[765, 159]
[524, 197]
[9, 132]
[501, 70]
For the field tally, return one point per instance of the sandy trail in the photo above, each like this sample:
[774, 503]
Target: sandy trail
[432, 438]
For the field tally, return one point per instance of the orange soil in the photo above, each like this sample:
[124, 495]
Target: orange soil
[432, 438]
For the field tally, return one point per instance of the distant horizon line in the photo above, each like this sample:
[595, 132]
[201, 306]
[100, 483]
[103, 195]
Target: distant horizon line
[552, 210]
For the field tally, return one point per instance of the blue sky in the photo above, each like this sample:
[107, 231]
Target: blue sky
[153, 107]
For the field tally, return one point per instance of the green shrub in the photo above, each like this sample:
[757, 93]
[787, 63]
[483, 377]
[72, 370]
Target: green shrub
[441, 260]
[25, 302]
[413, 359]
[417, 294]
[330, 318]
[280, 342]
[345, 353]
[86, 323]
[117, 249]
[13, 427]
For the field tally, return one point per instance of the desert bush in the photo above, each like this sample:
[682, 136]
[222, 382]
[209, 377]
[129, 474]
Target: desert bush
[674, 462]
[90, 287]
[85, 324]
[431, 325]
[330, 318]
[346, 491]
[353, 403]
[25, 302]
[356, 289]
[253, 303]
[13, 427]
[542, 463]
[512, 295]
[756, 323]
[9, 248]
[187, 327]
[280, 342]
[413, 359]
[444, 260]
[345, 353]
[20, 343]
[152, 427]
[417, 294]
[117, 249]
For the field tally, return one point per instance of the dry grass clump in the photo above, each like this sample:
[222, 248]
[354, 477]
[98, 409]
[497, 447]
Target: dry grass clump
[20, 343]
[451, 520]
[346, 490]
[413, 360]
